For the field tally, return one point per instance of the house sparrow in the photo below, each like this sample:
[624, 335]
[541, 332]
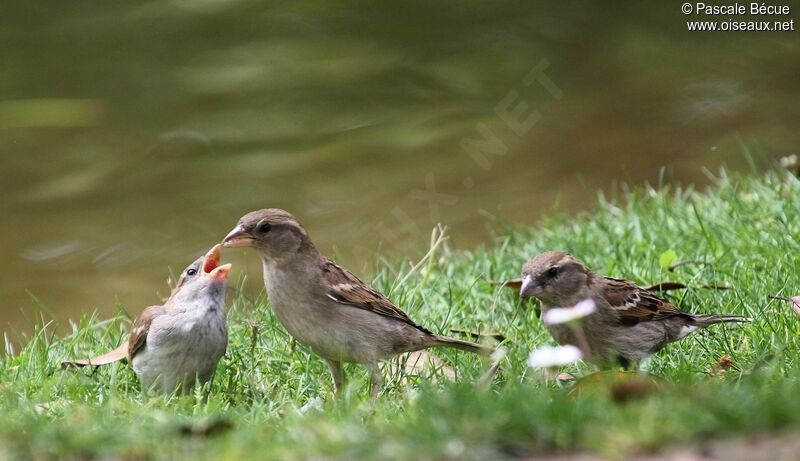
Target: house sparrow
[663, 286]
[182, 340]
[325, 307]
[629, 323]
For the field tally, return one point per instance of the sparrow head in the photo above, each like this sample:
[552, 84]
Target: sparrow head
[204, 278]
[553, 277]
[273, 232]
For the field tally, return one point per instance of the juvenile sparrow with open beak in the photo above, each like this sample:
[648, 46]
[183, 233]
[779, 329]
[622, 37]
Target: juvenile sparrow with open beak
[181, 341]
[325, 307]
[629, 322]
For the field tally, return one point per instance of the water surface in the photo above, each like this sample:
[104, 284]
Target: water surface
[134, 134]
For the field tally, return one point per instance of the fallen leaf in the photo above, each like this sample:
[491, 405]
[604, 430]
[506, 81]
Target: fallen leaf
[722, 366]
[725, 362]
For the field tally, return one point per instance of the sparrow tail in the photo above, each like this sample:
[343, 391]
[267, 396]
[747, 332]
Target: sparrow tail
[706, 320]
[445, 341]
[109, 357]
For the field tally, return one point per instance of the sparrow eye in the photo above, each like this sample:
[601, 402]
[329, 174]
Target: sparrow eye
[264, 227]
[552, 272]
[191, 271]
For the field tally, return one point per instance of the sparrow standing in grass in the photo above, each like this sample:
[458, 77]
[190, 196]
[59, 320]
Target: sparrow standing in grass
[181, 341]
[325, 307]
[629, 323]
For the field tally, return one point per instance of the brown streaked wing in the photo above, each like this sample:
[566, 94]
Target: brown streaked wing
[345, 288]
[634, 304]
[141, 328]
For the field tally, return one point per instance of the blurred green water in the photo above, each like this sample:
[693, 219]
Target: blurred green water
[134, 134]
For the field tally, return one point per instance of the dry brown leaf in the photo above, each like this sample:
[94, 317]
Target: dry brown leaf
[722, 366]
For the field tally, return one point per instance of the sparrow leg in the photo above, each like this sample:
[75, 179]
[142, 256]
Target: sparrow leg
[337, 374]
[377, 380]
[207, 388]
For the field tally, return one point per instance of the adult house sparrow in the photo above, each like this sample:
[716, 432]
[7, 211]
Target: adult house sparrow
[181, 341]
[629, 323]
[327, 308]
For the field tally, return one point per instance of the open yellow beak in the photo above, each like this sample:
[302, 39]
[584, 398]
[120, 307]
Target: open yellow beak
[212, 267]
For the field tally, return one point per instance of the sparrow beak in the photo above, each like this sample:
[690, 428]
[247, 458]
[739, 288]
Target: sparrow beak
[211, 266]
[220, 274]
[529, 287]
[211, 260]
[238, 237]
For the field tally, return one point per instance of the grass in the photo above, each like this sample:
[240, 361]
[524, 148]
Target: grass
[271, 399]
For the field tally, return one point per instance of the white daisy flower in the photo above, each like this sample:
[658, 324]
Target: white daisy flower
[498, 354]
[549, 356]
[558, 315]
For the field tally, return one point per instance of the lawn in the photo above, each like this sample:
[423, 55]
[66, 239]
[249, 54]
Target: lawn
[272, 399]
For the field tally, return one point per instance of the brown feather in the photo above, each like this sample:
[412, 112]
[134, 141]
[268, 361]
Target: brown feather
[116, 355]
[345, 288]
[140, 329]
[634, 304]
